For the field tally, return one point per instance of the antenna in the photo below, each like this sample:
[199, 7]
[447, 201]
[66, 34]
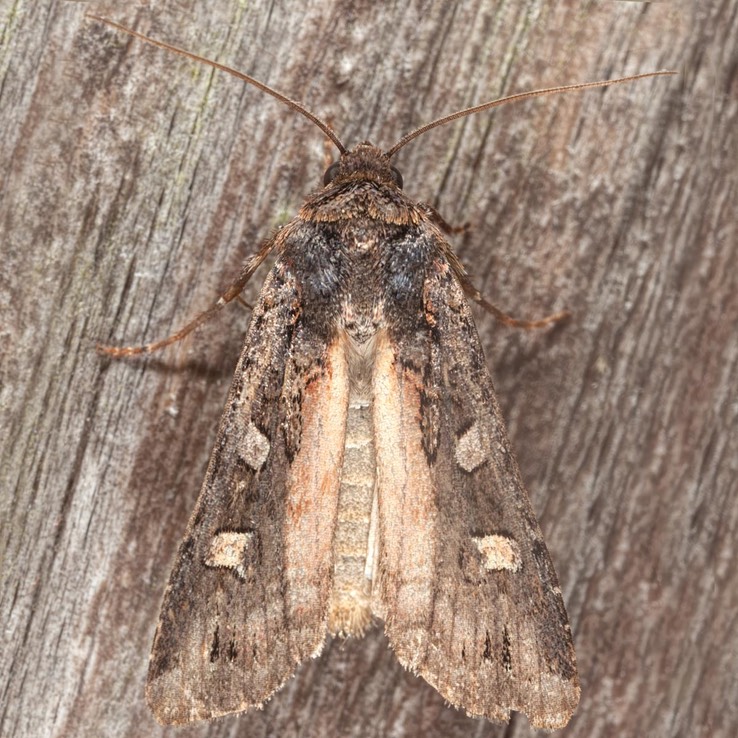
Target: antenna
[300, 108]
[516, 98]
[235, 73]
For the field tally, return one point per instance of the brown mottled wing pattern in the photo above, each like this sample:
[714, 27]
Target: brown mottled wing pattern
[247, 599]
[465, 583]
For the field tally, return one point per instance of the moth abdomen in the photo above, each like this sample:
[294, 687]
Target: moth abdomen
[350, 608]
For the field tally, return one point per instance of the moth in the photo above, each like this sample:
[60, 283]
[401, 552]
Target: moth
[362, 472]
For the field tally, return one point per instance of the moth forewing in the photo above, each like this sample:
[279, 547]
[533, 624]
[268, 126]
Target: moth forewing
[465, 583]
[407, 514]
[312, 493]
[248, 596]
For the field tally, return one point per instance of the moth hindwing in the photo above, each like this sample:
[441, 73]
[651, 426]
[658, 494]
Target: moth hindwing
[362, 470]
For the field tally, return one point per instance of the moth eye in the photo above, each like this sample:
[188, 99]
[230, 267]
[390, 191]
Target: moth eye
[330, 173]
[397, 176]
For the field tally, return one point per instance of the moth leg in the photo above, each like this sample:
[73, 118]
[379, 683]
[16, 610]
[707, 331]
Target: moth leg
[232, 293]
[474, 294]
[502, 317]
[441, 222]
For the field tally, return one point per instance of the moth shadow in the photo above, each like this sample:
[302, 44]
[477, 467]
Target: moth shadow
[197, 368]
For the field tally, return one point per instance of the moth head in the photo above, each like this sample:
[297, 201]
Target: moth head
[364, 162]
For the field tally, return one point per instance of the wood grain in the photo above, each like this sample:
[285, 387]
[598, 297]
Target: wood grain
[134, 183]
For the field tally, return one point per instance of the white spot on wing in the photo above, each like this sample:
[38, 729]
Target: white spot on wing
[471, 449]
[228, 549]
[498, 552]
[255, 447]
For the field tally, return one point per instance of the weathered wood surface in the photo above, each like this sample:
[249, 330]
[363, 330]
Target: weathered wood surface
[133, 185]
